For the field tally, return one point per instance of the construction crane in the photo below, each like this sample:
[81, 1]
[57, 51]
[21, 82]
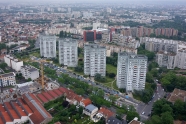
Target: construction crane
[41, 61]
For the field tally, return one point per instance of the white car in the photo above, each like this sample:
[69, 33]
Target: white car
[143, 113]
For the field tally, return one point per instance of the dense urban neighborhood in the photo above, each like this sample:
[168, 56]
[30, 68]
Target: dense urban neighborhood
[92, 63]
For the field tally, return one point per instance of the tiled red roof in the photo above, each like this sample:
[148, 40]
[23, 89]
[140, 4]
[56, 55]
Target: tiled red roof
[19, 109]
[1, 121]
[106, 113]
[6, 116]
[36, 117]
[25, 106]
[53, 94]
[47, 96]
[14, 114]
[42, 98]
[2, 109]
[34, 97]
[58, 92]
[86, 102]
[62, 89]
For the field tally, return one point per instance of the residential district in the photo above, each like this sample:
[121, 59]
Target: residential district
[84, 63]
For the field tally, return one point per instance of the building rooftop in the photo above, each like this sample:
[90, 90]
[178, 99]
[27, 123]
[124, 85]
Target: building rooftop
[42, 98]
[47, 96]
[107, 113]
[86, 102]
[58, 92]
[90, 107]
[52, 93]
[113, 120]
[8, 74]
[177, 94]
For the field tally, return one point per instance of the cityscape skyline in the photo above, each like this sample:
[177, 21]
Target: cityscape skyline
[98, 1]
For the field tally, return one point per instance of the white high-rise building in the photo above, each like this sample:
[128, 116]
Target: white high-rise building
[131, 71]
[94, 59]
[47, 46]
[68, 54]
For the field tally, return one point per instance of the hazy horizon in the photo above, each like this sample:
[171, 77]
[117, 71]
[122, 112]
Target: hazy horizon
[99, 1]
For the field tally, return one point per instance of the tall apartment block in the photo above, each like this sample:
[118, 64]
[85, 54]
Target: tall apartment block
[131, 71]
[94, 59]
[47, 46]
[68, 54]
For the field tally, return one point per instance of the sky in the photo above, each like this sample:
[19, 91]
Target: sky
[101, 1]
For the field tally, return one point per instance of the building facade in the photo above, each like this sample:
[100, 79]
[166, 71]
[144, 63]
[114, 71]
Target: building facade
[131, 71]
[68, 53]
[7, 79]
[47, 46]
[29, 72]
[13, 62]
[94, 59]
[165, 59]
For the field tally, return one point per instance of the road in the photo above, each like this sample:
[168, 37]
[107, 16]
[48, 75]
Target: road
[148, 107]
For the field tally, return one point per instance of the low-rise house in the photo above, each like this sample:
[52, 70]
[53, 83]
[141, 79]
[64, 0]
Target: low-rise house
[85, 102]
[29, 72]
[177, 94]
[103, 112]
[113, 120]
[73, 98]
[135, 121]
[90, 110]
[7, 79]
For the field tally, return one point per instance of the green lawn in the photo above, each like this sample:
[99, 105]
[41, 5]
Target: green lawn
[36, 54]
[115, 86]
[111, 69]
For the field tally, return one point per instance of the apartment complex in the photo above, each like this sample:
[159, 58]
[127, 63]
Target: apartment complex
[68, 54]
[131, 71]
[94, 59]
[170, 53]
[7, 79]
[13, 62]
[158, 45]
[29, 72]
[165, 59]
[47, 46]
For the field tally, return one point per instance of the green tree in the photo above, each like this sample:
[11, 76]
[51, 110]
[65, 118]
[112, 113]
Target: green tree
[112, 98]
[166, 108]
[61, 34]
[131, 115]
[156, 119]
[167, 118]
[80, 91]
[100, 93]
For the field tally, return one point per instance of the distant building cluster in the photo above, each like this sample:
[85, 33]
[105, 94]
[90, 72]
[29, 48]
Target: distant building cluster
[144, 31]
[169, 53]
